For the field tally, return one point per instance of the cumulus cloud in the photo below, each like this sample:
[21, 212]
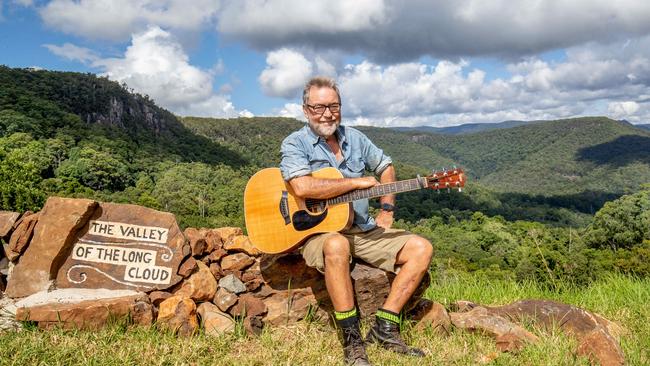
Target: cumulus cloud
[155, 64]
[397, 30]
[285, 74]
[292, 110]
[116, 20]
[592, 79]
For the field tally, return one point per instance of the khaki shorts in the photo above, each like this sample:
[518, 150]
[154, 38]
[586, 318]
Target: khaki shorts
[377, 247]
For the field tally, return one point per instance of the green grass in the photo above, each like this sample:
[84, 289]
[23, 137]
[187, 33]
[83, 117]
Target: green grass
[619, 298]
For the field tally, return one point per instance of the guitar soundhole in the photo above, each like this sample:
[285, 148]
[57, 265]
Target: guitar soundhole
[315, 206]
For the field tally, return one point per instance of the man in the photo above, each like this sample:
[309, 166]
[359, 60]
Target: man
[322, 143]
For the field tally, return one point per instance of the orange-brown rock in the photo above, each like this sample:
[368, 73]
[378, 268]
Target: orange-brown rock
[601, 348]
[227, 234]
[224, 299]
[241, 243]
[197, 241]
[157, 297]
[54, 235]
[124, 247]
[434, 315]
[216, 255]
[216, 271]
[187, 267]
[236, 262]
[200, 286]
[75, 309]
[7, 221]
[21, 236]
[286, 307]
[212, 239]
[178, 314]
[550, 314]
[248, 306]
[478, 319]
[214, 321]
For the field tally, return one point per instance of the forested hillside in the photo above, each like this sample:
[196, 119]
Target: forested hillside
[534, 206]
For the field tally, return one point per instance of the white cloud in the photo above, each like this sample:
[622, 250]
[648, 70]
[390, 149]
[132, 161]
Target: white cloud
[285, 74]
[116, 20]
[399, 30]
[292, 110]
[155, 64]
[621, 110]
[72, 52]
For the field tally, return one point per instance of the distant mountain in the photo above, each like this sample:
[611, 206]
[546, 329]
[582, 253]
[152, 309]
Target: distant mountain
[465, 128]
[645, 126]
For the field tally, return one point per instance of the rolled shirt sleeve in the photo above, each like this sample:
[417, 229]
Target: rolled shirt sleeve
[295, 162]
[374, 157]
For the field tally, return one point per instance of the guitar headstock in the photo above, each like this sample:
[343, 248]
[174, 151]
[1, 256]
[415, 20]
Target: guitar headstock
[452, 178]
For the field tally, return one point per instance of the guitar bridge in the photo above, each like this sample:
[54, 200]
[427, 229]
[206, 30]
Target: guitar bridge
[284, 208]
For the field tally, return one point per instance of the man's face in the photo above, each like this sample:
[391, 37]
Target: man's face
[323, 124]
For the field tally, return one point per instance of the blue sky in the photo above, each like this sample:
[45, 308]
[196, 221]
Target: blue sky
[398, 63]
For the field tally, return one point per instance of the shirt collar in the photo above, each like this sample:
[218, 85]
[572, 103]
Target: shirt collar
[314, 138]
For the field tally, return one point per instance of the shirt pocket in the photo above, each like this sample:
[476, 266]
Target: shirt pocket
[355, 167]
[316, 164]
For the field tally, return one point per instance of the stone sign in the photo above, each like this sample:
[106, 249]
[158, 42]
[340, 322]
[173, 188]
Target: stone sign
[125, 247]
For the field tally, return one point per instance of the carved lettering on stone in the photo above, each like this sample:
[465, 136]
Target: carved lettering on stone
[125, 247]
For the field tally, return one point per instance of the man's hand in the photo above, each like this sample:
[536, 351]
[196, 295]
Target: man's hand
[384, 219]
[366, 182]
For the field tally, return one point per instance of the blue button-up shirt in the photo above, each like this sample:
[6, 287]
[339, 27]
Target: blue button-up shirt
[304, 152]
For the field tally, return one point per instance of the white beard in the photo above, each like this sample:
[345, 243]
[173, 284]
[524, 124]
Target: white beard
[324, 130]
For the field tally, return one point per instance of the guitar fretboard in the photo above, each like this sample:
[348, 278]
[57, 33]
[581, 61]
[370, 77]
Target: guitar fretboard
[378, 191]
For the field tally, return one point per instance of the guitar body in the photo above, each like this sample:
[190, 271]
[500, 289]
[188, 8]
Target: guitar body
[277, 221]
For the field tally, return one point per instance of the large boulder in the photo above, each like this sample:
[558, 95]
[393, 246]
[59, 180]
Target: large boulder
[54, 236]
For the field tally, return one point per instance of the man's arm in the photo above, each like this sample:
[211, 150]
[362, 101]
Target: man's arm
[385, 218]
[310, 187]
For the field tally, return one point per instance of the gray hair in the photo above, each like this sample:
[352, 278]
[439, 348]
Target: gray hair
[319, 82]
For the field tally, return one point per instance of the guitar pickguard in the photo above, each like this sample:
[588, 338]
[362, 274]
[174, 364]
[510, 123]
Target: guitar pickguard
[302, 220]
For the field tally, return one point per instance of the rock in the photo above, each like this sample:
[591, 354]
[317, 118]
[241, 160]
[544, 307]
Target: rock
[178, 314]
[7, 221]
[253, 325]
[601, 348]
[4, 266]
[197, 241]
[200, 286]
[286, 307]
[550, 314]
[224, 299]
[187, 267]
[241, 243]
[509, 343]
[212, 239]
[248, 306]
[215, 269]
[227, 234]
[156, 297]
[54, 236]
[236, 262]
[478, 319]
[214, 321]
[124, 247]
[8, 320]
[434, 315]
[22, 235]
[216, 255]
[232, 284]
[84, 308]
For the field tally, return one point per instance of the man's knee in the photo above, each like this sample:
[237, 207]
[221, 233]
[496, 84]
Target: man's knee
[421, 249]
[336, 246]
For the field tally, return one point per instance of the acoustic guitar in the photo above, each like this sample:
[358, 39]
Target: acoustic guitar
[277, 221]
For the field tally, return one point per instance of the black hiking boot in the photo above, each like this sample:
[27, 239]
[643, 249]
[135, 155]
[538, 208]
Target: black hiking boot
[353, 347]
[386, 334]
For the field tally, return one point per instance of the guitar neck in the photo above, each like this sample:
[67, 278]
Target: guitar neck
[379, 190]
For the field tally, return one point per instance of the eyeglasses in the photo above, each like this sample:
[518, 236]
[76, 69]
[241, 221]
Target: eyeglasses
[319, 109]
